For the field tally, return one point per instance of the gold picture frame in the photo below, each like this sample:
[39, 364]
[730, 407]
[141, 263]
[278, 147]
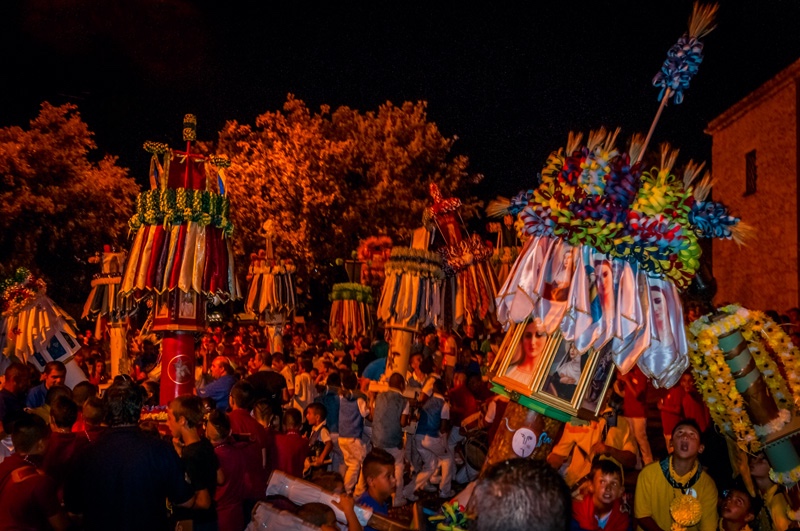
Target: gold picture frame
[562, 378]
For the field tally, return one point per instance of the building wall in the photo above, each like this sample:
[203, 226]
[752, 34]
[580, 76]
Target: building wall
[763, 274]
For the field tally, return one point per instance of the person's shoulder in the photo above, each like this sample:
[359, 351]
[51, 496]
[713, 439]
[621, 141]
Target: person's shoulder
[650, 472]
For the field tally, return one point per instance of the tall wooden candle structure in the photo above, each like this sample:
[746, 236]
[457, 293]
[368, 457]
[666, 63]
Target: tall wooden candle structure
[110, 310]
[181, 254]
[271, 293]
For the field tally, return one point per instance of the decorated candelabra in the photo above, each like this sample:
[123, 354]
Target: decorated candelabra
[611, 239]
[411, 297]
[181, 253]
[34, 329]
[271, 293]
[110, 310]
[510, 235]
[746, 368]
[352, 306]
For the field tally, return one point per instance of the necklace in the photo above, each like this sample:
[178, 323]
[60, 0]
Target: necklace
[672, 477]
[721, 527]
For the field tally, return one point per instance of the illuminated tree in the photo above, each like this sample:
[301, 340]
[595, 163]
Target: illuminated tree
[329, 180]
[58, 205]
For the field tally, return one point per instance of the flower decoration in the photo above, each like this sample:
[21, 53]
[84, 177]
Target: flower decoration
[774, 355]
[684, 57]
[789, 478]
[349, 291]
[176, 206]
[452, 518]
[593, 195]
[686, 511]
[19, 290]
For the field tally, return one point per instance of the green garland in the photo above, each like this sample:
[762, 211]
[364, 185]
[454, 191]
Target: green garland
[176, 206]
[350, 291]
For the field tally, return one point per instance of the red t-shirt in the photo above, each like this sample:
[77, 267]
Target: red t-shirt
[262, 443]
[695, 408]
[291, 450]
[27, 497]
[462, 404]
[583, 512]
[230, 495]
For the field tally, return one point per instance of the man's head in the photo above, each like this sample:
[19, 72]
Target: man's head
[608, 484]
[316, 413]
[759, 466]
[396, 381]
[687, 382]
[415, 361]
[17, 378]
[220, 367]
[459, 379]
[738, 506]
[277, 362]
[378, 470]
[518, 495]
[317, 514]
[30, 434]
[63, 412]
[82, 391]
[218, 427]
[94, 411]
[687, 439]
[242, 395]
[185, 412]
[123, 405]
[54, 374]
[292, 419]
[349, 380]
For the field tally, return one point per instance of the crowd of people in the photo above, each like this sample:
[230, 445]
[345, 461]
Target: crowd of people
[314, 408]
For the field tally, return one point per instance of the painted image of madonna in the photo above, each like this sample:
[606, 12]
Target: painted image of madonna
[528, 354]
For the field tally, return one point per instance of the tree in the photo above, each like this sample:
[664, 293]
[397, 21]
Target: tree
[328, 180]
[58, 206]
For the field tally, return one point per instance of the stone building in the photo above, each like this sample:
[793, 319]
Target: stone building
[755, 162]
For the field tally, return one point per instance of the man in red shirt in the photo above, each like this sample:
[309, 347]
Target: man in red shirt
[28, 498]
[291, 448]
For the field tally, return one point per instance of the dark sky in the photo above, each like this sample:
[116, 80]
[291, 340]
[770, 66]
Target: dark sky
[510, 82]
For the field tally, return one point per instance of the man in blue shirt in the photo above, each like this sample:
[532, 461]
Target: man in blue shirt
[219, 389]
[54, 374]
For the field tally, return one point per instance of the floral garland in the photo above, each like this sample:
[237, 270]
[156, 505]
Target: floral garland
[20, 290]
[176, 206]
[426, 264]
[720, 527]
[350, 291]
[715, 382]
[789, 478]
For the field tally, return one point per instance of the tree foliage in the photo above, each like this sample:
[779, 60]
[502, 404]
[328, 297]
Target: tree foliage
[58, 206]
[327, 180]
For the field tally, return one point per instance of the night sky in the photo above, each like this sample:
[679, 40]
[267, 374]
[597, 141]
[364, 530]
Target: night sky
[510, 83]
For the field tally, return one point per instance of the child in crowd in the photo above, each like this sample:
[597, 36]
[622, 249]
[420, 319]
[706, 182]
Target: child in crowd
[319, 441]
[291, 448]
[378, 470]
[603, 509]
[353, 409]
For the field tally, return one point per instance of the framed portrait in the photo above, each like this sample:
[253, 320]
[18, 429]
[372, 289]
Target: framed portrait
[550, 371]
[602, 375]
[522, 353]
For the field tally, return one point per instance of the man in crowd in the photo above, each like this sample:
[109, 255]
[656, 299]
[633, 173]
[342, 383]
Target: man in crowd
[390, 416]
[125, 477]
[54, 374]
[219, 388]
[520, 495]
[28, 498]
